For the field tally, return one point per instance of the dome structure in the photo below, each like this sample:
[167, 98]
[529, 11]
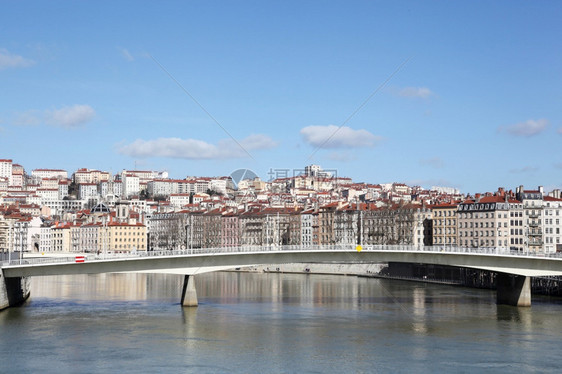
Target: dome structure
[100, 209]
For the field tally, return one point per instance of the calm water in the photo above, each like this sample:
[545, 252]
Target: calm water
[261, 323]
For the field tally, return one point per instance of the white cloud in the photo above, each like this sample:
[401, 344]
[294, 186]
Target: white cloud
[434, 162]
[66, 117]
[526, 129]
[70, 116]
[29, 118]
[127, 55]
[419, 92]
[196, 149]
[258, 141]
[9, 60]
[342, 156]
[334, 137]
[524, 170]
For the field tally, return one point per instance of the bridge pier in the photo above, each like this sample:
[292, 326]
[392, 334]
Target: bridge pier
[13, 291]
[189, 293]
[513, 289]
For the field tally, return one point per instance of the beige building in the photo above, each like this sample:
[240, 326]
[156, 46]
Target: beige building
[125, 237]
[111, 237]
[444, 224]
[60, 237]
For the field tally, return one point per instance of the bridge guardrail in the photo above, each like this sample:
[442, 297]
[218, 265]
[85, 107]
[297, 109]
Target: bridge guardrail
[88, 257]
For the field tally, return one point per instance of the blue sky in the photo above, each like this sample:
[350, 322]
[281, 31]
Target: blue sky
[461, 94]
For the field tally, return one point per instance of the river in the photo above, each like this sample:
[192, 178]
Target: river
[273, 323]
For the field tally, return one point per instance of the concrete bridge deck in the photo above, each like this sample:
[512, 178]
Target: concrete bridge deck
[190, 262]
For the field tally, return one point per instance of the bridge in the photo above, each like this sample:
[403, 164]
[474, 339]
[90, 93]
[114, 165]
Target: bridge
[513, 282]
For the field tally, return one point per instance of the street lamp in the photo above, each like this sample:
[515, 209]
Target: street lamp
[22, 226]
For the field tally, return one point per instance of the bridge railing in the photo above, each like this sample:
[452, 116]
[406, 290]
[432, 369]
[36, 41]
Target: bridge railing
[104, 256]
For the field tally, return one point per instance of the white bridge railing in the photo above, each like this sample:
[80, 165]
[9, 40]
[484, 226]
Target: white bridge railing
[57, 257]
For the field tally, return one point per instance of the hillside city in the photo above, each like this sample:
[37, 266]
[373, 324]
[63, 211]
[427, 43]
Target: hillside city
[50, 210]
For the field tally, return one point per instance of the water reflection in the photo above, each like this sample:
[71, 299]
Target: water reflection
[251, 322]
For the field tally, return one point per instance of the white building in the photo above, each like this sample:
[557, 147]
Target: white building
[220, 184]
[45, 243]
[47, 194]
[34, 199]
[58, 207]
[179, 200]
[87, 191]
[63, 189]
[49, 183]
[533, 218]
[110, 188]
[4, 183]
[91, 176]
[186, 186]
[162, 187]
[307, 222]
[552, 224]
[49, 173]
[202, 185]
[131, 185]
[6, 170]
[18, 173]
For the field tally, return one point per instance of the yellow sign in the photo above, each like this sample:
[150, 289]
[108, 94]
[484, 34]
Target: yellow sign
[359, 248]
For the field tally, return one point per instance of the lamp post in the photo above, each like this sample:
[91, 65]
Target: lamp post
[22, 226]
[186, 235]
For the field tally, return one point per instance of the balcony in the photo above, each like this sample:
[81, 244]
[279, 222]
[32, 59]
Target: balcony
[534, 214]
[533, 224]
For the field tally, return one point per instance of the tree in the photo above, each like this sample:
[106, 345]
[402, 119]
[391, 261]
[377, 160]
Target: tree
[73, 189]
[211, 192]
[143, 195]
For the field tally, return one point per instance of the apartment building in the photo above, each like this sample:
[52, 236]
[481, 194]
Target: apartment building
[552, 208]
[485, 222]
[91, 176]
[6, 170]
[532, 217]
[444, 224]
[39, 174]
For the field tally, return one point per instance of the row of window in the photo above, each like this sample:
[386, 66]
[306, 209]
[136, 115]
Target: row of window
[447, 222]
[439, 231]
[482, 224]
[444, 213]
[481, 215]
[482, 233]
